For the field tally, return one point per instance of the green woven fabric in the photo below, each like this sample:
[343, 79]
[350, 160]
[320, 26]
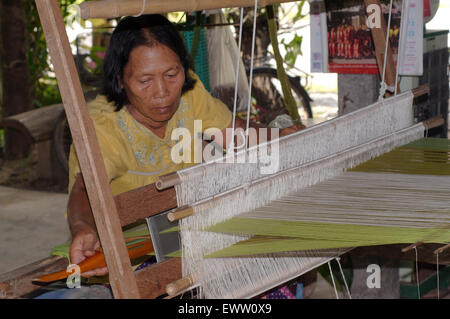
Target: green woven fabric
[427, 156]
[430, 156]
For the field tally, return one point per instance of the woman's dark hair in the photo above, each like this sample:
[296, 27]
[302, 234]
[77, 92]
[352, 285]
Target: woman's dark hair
[130, 33]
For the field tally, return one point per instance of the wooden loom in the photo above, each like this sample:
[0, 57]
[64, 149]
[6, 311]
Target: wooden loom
[111, 213]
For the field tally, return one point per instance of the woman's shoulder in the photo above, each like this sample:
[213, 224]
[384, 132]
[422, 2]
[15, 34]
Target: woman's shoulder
[103, 113]
[100, 106]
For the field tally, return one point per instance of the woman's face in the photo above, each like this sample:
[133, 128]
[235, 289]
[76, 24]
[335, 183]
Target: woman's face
[152, 79]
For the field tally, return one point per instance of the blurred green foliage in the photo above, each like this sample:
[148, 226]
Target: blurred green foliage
[45, 89]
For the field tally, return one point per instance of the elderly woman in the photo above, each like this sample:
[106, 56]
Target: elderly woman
[148, 91]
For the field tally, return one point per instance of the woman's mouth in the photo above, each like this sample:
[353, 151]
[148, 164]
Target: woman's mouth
[162, 110]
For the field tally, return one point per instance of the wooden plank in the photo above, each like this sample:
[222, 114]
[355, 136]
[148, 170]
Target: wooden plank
[18, 282]
[421, 90]
[379, 40]
[115, 8]
[144, 202]
[152, 280]
[122, 279]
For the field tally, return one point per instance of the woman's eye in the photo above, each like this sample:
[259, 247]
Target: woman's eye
[172, 74]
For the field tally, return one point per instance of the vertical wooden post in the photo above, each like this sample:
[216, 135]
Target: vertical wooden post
[122, 279]
[379, 40]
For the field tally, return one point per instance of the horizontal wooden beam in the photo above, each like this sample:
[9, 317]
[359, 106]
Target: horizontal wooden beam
[152, 280]
[421, 90]
[434, 122]
[144, 202]
[108, 9]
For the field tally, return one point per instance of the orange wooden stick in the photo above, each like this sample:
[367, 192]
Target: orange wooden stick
[98, 261]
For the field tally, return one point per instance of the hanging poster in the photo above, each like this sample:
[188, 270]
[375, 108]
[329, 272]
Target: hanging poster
[411, 31]
[350, 44]
[319, 45]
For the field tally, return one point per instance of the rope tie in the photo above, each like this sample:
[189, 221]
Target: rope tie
[142, 10]
[251, 74]
[236, 83]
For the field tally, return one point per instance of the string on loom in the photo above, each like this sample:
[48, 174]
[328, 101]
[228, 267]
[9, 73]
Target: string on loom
[437, 273]
[417, 272]
[142, 10]
[343, 277]
[251, 76]
[410, 212]
[437, 251]
[236, 83]
[332, 279]
[383, 85]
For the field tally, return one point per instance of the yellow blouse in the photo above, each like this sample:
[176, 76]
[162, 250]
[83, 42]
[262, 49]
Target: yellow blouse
[133, 155]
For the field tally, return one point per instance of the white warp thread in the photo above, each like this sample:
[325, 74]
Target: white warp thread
[361, 198]
[242, 277]
[327, 138]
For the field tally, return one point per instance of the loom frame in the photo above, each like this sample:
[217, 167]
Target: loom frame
[110, 212]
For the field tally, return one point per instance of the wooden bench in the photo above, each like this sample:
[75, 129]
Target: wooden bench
[37, 127]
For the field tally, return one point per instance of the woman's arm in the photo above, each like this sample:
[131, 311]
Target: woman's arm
[82, 226]
[242, 124]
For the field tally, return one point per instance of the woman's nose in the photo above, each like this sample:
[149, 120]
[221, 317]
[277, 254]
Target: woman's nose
[161, 89]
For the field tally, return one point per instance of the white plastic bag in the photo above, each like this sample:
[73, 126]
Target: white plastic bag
[223, 54]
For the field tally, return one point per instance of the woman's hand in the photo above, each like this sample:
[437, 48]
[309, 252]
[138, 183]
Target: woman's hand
[291, 129]
[84, 244]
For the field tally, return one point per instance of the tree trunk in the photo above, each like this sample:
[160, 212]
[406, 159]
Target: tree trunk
[15, 73]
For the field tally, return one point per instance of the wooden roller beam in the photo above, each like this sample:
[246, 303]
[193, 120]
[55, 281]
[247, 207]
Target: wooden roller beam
[180, 213]
[421, 90]
[441, 249]
[108, 9]
[174, 288]
[434, 122]
[168, 180]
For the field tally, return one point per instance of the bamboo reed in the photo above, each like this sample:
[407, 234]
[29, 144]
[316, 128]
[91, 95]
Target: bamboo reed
[108, 9]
